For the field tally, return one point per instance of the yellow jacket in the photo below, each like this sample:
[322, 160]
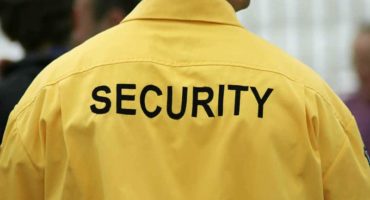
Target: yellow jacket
[179, 102]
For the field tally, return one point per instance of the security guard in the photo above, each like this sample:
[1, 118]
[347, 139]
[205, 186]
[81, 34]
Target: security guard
[180, 102]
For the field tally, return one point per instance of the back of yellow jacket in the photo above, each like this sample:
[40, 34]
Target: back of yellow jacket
[179, 102]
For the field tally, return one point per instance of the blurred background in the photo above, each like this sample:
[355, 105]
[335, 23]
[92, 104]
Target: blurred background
[319, 33]
[9, 50]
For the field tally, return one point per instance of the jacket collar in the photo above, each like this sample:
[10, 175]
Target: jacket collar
[213, 11]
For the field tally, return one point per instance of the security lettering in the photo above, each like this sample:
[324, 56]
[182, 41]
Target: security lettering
[201, 100]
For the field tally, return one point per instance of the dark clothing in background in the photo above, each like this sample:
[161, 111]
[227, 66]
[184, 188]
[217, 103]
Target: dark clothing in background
[16, 79]
[361, 110]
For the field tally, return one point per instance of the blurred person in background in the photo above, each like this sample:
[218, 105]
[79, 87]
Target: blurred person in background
[359, 103]
[94, 16]
[43, 28]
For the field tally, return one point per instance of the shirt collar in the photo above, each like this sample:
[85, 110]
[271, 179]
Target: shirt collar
[214, 11]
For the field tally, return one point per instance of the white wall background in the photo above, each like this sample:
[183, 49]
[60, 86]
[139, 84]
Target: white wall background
[317, 32]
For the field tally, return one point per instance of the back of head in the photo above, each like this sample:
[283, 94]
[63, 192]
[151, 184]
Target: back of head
[37, 23]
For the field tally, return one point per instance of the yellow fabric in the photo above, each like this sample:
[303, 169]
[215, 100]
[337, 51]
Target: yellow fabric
[104, 121]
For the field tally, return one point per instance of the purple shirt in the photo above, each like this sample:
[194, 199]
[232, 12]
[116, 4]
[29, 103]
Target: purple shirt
[361, 110]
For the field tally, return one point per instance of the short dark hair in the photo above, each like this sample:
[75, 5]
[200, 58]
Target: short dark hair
[101, 7]
[36, 22]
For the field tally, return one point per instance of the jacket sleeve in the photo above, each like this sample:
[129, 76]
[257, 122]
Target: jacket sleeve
[337, 141]
[348, 175]
[20, 177]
